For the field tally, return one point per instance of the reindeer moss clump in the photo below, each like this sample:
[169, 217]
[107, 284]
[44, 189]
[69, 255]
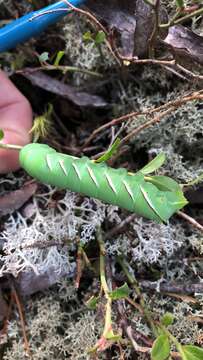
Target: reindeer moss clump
[82, 50]
[58, 327]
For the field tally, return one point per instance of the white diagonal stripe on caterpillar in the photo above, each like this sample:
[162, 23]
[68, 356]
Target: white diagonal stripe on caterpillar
[111, 183]
[76, 170]
[61, 163]
[48, 161]
[128, 190]
[146, 197]
[91, 174]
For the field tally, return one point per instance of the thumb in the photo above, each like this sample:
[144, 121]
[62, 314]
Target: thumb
[15, 121]
[9, 158]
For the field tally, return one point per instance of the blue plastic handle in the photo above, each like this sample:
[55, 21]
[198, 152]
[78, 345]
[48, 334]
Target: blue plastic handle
[31, 25]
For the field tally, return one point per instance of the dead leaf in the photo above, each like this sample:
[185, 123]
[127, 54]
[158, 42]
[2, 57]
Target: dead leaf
[185, 43]
[54, 86]
[172, 288]
[145, 19]
[184, 298]
[133, 20]
[29, 282]
[198, 319]
[3, 307]
[15, 199]
[195, 195]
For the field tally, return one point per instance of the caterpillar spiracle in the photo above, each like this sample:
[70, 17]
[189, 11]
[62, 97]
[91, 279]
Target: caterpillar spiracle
[98, 180]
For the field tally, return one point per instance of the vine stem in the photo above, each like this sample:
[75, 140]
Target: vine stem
[176, 21]
[132, 280]
[194, 181]
[62, 68]
[10, 146]
[104, 285]
[175, 341]
[190, 220]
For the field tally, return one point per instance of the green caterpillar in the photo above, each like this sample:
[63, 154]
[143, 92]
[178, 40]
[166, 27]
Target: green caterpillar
[154, 197]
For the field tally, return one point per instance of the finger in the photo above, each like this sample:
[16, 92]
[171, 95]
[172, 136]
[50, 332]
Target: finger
[15, 121]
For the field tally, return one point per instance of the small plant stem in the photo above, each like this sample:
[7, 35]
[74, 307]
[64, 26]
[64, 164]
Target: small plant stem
[82, 261]
[171, 21]
[175, 341]
[104, 285]
[182, 19]
[108, 322]
[190, 220]
[87, 261]
[132, 280]
[79, 263]
[189, 16]
[102, 272]
[10, 146]
[194, 181]
[62, 68]
[22, 319]
[107, 334]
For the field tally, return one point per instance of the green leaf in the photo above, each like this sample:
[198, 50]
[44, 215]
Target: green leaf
[108, 154]
[87, 36]
[120, 293]
[163, 183]
[161, 348]
[43, 57]
[180, 3]
[167, 319]
[192, 352]
[59, 56]
[111, 336]
[92, 302]
[1, 134]
[155, 164]
[100, 38]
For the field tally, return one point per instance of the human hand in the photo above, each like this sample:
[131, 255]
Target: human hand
[15, 121]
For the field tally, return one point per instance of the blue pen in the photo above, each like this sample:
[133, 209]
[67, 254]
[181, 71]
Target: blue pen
[31, 24]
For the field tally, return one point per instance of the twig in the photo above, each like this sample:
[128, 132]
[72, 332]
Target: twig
[79, 264]
[135, 336]
[7, 317]
[155, 31]
[132, 334]
[118, 228]
[132, 280]
[135, 305]
[176, 21]
[171, 288]
[190, 220]
[197, 95]
[88, 14]
[22, 319]
[190, 74]
[146, 125]
[98, 25]
[63, 68]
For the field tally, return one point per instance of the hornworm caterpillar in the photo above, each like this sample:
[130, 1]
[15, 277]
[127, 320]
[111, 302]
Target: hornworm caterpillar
[144, 195]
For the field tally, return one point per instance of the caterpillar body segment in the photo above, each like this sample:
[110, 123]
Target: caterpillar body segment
[113, 186]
